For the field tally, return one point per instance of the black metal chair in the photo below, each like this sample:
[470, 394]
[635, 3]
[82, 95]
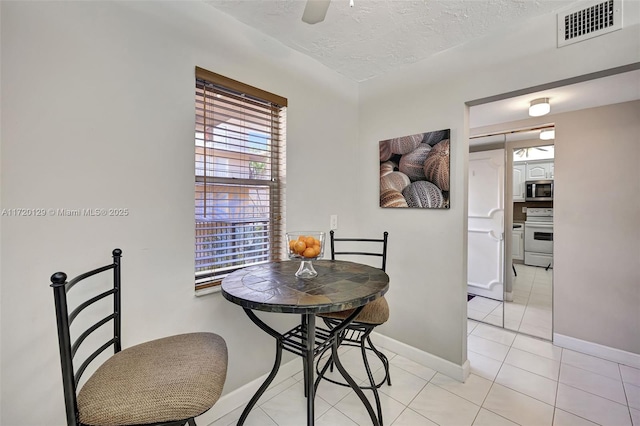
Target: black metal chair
[167, 381]
[375, 313]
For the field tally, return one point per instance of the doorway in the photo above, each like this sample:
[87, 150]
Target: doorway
[494, 115]
[525, 276]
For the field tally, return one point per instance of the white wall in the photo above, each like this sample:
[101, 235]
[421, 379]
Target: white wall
[597, 226]
[427, 261]
[98, 111]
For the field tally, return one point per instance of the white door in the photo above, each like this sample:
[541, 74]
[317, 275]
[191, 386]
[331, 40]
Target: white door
[485, 268]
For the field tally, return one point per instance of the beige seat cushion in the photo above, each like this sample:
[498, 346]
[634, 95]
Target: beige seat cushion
[376, 312]
[172, 378]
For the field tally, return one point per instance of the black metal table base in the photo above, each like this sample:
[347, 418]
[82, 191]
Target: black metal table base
[307, 341]
[357, 336]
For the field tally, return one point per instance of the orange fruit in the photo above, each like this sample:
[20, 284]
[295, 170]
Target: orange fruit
[291, 245]
[310, 241]
[299, 247]
[309, 252]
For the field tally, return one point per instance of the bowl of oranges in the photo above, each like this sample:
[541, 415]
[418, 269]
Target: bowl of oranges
[305, 246]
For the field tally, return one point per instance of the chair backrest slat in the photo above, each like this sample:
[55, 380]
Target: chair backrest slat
[363, 253]
[68, 349]
[74, 281]
[89, 302]
[90, 358]
[379, 251]
[88, 331]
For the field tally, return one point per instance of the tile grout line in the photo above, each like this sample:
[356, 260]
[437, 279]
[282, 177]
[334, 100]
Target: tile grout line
[555, 401]
[494, 381]
[406, 407]
[558, 382]
[626, 397]
[514, 390]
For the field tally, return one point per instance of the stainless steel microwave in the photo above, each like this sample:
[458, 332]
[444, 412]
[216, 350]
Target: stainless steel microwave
[539, 190]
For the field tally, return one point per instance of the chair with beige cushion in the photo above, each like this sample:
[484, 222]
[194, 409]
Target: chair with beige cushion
[372, 315]
[167, 381]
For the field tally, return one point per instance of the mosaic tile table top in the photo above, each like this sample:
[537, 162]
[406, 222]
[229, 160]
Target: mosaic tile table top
[273, 287]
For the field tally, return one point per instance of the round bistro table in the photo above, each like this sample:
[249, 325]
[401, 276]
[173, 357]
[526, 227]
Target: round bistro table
[273, 287]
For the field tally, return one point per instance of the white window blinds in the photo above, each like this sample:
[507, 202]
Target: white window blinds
[239, 176]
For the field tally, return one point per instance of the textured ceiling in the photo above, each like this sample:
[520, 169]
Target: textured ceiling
[376, 36]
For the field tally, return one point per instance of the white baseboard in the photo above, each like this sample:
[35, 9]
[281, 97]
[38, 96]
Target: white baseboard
[605, 352]
[448, 368]
[241, 396]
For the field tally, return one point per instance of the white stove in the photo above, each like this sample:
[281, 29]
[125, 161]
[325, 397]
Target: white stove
[538, 237]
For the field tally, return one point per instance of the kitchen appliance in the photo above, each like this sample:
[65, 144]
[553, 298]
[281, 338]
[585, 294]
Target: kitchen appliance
[538, 237]
[539, 190]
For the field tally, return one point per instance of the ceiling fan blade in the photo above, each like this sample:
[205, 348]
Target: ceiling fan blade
[315, 11]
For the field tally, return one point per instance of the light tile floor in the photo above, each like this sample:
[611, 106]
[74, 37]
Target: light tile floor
[515, 380]
[530, 312]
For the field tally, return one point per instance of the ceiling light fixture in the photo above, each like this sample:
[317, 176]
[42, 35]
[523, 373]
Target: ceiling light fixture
[539, 107]
[547, 134]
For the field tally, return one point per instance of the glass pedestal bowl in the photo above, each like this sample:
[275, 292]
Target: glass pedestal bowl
[305, 246]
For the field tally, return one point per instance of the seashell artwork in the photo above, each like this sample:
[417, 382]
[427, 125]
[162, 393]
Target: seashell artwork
[385, 150]
[392, 198]
[433, 138]
[394, 180]
[412, 164]
[436, 165]
[416, 168]
[404, 144]
[423, 194]
[387, 167]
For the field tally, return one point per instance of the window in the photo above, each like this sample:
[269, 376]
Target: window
[239, 177]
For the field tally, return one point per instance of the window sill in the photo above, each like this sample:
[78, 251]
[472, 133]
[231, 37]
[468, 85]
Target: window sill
[208, 290]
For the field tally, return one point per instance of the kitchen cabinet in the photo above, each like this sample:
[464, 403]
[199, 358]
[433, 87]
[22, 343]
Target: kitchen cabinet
[517, 243]
[519, 177]
[539, 170]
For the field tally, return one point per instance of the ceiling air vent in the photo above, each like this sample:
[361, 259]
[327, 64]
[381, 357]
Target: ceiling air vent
[587, 22]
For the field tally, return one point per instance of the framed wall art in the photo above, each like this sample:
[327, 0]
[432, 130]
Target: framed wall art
[414, 171]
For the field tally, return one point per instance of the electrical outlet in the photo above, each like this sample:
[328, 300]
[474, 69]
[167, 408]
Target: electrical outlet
[524, 210]
[333, 222]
